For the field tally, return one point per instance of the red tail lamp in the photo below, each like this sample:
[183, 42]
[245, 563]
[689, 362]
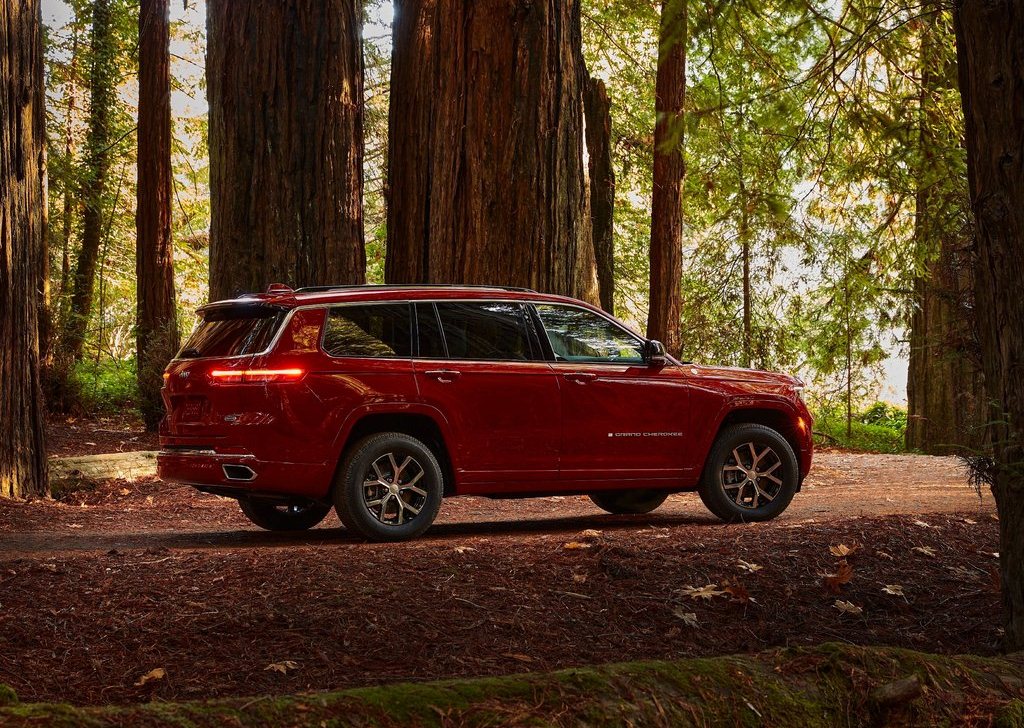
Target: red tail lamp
[255, 376]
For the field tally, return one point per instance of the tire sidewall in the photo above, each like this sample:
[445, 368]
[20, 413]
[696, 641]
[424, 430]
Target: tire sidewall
[348, 491]
[712, 491]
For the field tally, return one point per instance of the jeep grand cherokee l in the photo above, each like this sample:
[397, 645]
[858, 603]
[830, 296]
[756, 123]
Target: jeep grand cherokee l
[381, 400]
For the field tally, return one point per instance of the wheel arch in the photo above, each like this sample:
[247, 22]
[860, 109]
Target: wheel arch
[777, 416]
[423, 424]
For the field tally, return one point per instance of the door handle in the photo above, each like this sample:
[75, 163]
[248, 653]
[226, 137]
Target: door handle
[581, 377]
[445, 376]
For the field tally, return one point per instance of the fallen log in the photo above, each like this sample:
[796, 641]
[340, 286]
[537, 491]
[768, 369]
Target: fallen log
[84, 471]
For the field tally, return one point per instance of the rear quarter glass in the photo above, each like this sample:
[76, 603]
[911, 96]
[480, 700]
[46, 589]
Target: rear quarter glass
[233, 331]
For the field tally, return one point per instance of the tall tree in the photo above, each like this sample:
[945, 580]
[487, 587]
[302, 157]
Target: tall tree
[485, 158]
[22, 247]
[156, 332]
[285, 87]
[990, 39]
[102, 76]
[601, 177]
[945, 392]
[669, 169]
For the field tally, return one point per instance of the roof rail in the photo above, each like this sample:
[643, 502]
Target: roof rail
[353, 286]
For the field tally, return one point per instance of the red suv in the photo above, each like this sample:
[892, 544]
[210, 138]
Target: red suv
[381, 400]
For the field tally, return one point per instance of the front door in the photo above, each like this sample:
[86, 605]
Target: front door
[480, 364]
[621, 418]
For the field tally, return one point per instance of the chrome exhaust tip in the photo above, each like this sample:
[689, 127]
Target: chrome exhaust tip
[239, 472]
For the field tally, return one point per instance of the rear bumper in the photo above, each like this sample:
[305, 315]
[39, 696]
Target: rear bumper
[242, 474]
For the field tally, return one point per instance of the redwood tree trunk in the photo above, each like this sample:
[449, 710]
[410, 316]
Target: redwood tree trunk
[667, 199]
[945, 392]
[156, 331]
[597, 110]
[285, 87]
[22, 248]
[485, 153]
[990, 39]
[101, 102]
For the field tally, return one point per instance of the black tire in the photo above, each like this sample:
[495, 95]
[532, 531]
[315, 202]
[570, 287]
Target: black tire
[277, 516]
[420, 484]
[632, 502]
[721, 491]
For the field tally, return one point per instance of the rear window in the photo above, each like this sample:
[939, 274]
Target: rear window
[380, 330]
[494, 331]
[233, 331]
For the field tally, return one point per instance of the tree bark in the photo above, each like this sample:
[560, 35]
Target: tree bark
[22, 247]
[156, 329]
[666, 298]
[101, 101]
[485, 154]
[601, 177]
[945, 387]
[285, 88]
[990, 36]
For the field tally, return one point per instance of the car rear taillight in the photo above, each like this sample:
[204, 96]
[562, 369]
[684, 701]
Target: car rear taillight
[255, 376]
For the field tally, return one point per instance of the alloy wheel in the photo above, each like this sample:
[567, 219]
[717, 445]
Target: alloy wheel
[390, 489]
[751, 475]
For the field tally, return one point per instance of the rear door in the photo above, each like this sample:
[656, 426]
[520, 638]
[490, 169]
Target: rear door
[621, 418]
[225, 339]
[481, 364]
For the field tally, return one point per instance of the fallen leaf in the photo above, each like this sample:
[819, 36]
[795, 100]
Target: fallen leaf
[579, 578]
[155, 674]
[924, 550]
[847, 607]
[969, 522]
[708, 592]
[591, 533]
[573, 545]
[463, 549]
[688, 618]
[149, 500]
[834, 582]
[922, 524]
[748, 567]
[842, 550]
[895, 590]
[739, 593]
[282, 667]
[884, 555]
[125, 491]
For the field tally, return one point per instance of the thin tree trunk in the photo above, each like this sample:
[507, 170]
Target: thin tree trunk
[67, 214]
[485, 153]
[22, 248]
[601, 177]
[663, 320]
[990, 36]
[156, 331]
[101, 95]
[285, 86]
[744, 235]
[945, 391]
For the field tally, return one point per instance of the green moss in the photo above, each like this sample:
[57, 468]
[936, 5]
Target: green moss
[806, 687]
[7, 695]
[1011, 715]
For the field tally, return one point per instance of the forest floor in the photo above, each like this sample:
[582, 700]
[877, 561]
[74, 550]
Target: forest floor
[105, 586]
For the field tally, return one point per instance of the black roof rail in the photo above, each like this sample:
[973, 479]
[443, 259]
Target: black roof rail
[353, 286]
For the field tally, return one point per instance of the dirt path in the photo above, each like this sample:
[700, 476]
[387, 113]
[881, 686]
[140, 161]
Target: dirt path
[153, 514]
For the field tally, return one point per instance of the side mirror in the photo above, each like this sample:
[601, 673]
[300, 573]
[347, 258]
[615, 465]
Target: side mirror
[654, 353]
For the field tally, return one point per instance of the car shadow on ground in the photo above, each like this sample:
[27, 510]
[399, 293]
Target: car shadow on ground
[439, 534]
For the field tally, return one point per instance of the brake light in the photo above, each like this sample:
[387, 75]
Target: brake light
[255, 376]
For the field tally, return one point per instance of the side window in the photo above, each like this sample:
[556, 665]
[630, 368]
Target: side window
[580, 335]
[381, 330]
[492, 330]
[430, 342]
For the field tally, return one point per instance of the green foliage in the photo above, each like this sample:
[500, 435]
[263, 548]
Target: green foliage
[104, 386]
[881, 427]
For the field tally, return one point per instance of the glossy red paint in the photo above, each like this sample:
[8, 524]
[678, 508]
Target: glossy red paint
[505, 428]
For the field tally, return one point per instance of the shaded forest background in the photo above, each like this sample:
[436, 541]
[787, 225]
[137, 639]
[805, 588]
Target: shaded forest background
[825, 224]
